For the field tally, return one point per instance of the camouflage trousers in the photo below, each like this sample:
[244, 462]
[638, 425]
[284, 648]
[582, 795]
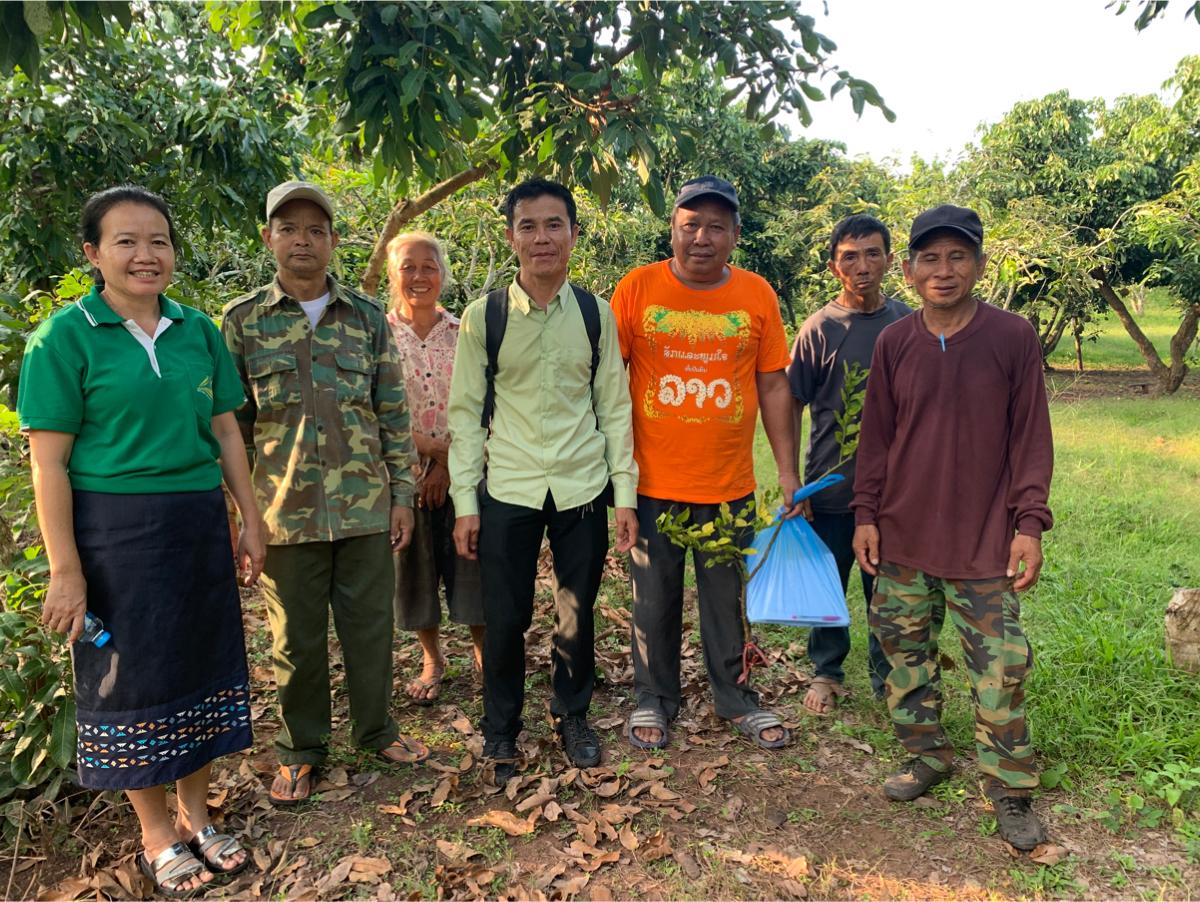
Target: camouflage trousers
[985, 612]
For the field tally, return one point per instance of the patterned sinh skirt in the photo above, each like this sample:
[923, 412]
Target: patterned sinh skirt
[170, 691]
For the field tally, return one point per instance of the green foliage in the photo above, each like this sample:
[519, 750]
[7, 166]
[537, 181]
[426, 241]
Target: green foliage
[21, 315]
[1176, 783]
[37, 708]
[165, 104]
[848, 419]
[572, 90]
[1149, 10]
[1108, 344]
[1169, 227]
[719, 538]
[26, 24]
[1047, 880]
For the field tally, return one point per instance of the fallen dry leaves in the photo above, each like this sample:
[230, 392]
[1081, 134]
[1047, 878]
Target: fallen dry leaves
[505, 820]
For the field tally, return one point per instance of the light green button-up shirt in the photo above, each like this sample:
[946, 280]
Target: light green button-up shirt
[545, 436]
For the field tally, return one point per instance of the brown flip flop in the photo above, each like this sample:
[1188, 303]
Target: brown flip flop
[294, 773]
[413, 751]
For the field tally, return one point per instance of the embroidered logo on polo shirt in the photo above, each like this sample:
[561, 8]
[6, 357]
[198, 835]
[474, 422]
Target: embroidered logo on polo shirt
[205, 387]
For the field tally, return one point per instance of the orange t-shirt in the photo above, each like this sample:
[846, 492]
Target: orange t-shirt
[693, 356]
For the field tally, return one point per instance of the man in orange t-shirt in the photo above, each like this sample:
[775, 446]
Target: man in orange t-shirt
[705, 346]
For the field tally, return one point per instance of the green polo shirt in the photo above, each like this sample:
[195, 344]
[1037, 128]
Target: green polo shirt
[141, 410]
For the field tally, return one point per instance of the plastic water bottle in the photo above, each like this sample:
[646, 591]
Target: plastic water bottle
[94, 631]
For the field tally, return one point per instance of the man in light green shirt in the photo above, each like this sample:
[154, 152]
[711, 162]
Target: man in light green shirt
[559, 435]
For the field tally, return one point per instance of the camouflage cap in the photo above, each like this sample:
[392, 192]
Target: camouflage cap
[296, 190]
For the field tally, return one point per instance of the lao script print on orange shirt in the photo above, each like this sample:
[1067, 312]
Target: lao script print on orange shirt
[693, 374]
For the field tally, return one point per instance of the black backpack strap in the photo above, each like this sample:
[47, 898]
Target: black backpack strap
[495, 321]
[589, 307]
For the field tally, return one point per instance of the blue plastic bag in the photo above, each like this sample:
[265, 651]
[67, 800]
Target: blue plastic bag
[797, 582]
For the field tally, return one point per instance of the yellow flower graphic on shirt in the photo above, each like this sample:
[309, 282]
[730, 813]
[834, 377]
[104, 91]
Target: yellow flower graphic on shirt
[693, 376]
[205, 387]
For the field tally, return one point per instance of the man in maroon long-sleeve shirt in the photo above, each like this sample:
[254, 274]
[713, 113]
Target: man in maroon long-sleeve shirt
[950, 496]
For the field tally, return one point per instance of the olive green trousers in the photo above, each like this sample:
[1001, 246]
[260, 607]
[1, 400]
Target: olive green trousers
[355, 578]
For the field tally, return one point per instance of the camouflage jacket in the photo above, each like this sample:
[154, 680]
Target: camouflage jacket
[326, 421]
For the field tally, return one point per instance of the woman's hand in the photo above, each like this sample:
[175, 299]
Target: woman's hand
[65, 604]
[251, 552]
[428, 446]
[434, 486]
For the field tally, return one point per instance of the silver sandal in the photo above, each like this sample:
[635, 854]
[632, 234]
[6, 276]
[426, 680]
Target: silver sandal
[174, 865]
[214, 849]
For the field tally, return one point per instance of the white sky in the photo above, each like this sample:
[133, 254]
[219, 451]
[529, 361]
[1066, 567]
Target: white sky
[945, 66]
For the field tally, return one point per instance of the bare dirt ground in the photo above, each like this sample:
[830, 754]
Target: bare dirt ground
[711, 816]
[1069, 385]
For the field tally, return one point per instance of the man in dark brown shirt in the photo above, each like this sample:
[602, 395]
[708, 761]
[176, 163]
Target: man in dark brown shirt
[950, 497]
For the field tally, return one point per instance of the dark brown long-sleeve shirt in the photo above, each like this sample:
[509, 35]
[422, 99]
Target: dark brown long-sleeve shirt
[955, 454]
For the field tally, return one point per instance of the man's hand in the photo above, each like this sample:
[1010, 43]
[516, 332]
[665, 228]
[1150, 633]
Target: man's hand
[401, 531]
[627, 528]
[866, 548]
[806, 509]
[434, 486]
[65, 604]
[790, 483]
[251, 553]
[1029, 550]
[466, 537]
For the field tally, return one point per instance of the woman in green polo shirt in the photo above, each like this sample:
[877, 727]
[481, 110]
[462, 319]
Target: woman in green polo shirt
[128, 400]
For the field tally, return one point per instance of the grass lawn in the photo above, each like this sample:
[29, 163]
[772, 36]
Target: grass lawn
[1107, 345]
[1125, 497]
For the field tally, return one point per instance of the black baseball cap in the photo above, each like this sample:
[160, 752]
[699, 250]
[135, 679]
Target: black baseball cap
[946, 217]
[704, 186]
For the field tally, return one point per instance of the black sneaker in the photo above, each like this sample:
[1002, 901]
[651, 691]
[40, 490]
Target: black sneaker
[1017, 824]
[579, 741]
[504, 753]
[912, 780]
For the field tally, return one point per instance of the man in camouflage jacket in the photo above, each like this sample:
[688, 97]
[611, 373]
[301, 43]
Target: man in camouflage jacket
[326, 422]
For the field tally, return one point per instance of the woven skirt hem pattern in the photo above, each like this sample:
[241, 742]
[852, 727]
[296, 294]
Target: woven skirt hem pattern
[163, 745]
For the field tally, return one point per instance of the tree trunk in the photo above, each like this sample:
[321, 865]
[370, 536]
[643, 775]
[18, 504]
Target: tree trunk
[1149, 353]
[1051, 340]
[407, 210]
[1050, 333]
[1077, 332]
[1182, 629]
[1181, 342]
[1169, 377]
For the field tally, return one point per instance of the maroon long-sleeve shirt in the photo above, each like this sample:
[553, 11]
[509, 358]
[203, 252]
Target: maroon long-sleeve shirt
[955, 453]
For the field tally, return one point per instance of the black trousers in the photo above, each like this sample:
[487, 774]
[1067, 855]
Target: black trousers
[510, 537]
[829, 645]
